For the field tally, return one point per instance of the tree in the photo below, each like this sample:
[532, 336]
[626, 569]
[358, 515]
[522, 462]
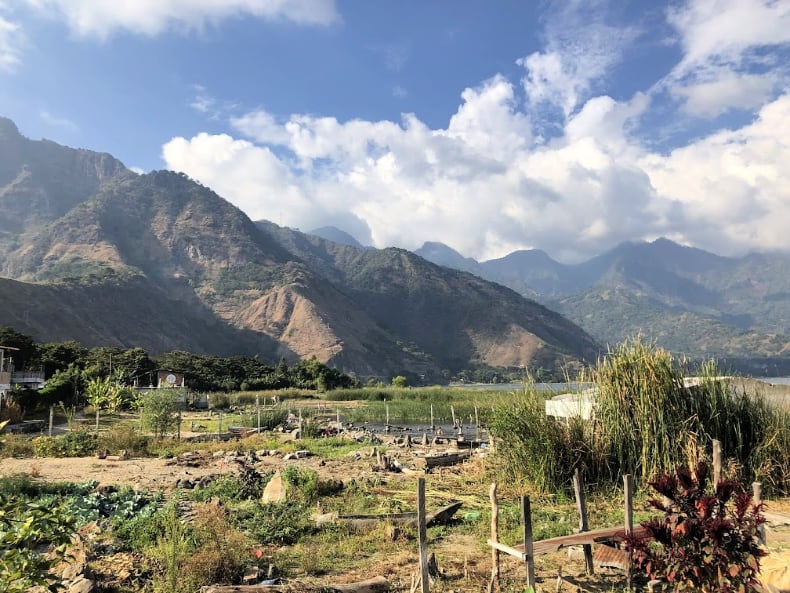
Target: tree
[400, 381]
[159, 410]
[57, 356]
[64, 386]
[103, 393]
[25, 352]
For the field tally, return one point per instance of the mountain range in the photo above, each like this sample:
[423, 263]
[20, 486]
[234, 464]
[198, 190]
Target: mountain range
[689, 301]
[93, 252]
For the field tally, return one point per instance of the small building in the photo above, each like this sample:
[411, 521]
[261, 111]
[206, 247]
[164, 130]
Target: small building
[582, 403]
[10, 377]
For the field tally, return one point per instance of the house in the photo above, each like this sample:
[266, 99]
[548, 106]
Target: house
[9, 377]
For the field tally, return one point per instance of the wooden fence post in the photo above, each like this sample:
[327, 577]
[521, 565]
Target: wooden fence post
[581, 506]
[529, 557]
[628, 481]
[757, 499]
[494, 582]
[716, 462]
[422, 535]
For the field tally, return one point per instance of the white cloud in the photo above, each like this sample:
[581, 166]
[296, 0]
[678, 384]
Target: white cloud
[725, 30]
[101, 18]
[581, 48]
[483, 185]
[722, 65]
[725, 90]
[11, 41]
[734, 186]
[480, 184]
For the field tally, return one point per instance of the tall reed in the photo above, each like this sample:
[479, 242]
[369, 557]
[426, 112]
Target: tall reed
[647, 415]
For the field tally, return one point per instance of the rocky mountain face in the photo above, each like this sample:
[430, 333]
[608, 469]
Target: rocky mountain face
[685, 299]
[93, 252]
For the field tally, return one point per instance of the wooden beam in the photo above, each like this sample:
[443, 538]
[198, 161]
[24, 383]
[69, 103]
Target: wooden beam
[494, 583]
[507, 549]
[375, 585]
[716, 462]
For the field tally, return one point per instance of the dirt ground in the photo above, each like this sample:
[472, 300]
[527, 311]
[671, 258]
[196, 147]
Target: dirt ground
[466, 562]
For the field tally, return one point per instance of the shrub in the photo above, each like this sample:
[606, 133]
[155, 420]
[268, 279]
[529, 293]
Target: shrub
[17, 445]
[75, 443]
[222, 551]
[27, 527]
[282, 523]
[306, 480]
[704, 541]
[541, 450]
[124, 437]
[159, 410]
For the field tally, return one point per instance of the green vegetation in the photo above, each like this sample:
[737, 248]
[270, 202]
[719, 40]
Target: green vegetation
[646, 422]
[703, 541]
[159, 410]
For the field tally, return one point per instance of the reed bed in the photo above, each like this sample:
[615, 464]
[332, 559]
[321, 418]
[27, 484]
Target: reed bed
[648, 418]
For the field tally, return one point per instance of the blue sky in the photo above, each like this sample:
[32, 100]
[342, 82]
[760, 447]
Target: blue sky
[567, 126]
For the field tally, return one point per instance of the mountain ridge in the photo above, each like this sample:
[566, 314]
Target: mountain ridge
[160, 261]
[687, 300]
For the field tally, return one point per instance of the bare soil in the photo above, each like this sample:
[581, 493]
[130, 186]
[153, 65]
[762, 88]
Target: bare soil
[464, 562]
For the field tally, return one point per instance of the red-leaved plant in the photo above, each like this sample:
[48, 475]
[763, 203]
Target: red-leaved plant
[705, 541]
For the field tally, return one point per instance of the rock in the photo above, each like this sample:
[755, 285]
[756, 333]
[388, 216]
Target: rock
[276, 489]
[80, 585]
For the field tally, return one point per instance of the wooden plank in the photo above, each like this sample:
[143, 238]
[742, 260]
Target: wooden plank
[512, 551]
[594, 536]
[628, 490]
[375, 585]
[716, 462]
[432, 461]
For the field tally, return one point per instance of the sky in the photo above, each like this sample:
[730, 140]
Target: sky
[568, 126]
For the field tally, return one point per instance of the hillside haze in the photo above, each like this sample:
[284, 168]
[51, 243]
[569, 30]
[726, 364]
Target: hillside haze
[93, 252]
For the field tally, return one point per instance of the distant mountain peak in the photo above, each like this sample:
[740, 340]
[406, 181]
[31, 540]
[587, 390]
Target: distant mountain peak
[444, 255]
[8, 128]
[336, 235]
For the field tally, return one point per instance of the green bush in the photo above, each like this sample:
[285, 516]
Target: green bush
[281, 524]
[538, 449]
[75, 443]
[124, 437]
[17, 445]
[647, 419]
[26, 528]
[305, 480]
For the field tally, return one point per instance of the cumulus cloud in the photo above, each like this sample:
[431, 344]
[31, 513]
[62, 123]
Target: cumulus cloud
[99, 18]
[479, 184]
[723, 65]
[733, 185]
[488, 182]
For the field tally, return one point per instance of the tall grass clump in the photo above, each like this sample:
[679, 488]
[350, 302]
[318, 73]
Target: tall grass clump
[648, 414]
[536, 449]
[640, 410]
[648, 419]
